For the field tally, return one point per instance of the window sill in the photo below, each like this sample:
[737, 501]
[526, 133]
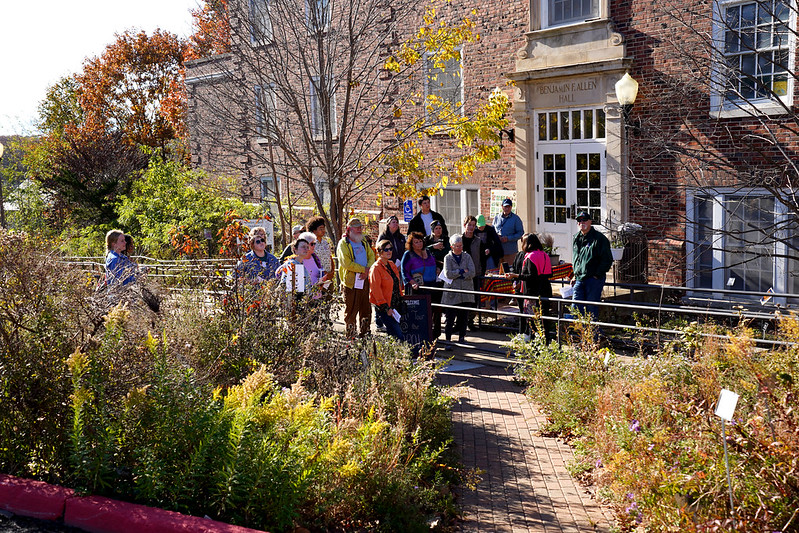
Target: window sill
[570, 27]
[751, 109]
[321, 138]
[265, 141]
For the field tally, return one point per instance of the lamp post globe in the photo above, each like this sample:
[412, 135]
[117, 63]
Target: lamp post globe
[626, 92]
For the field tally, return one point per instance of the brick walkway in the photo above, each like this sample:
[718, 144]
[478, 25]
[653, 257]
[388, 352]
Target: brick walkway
[525, 485]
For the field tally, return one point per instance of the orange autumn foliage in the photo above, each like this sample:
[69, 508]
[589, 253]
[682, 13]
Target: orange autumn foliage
[136, 86]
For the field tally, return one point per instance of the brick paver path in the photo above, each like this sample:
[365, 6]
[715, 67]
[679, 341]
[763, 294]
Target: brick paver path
[525, 485]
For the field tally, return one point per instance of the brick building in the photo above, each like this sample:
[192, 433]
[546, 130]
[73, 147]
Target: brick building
[703, 161]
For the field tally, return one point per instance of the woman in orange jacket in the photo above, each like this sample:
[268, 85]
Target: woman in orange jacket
[385, 289]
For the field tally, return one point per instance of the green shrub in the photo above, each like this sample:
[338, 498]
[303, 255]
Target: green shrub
[237, 407]
[44, 315]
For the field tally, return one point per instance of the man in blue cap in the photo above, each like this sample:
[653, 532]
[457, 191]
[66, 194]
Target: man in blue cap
[591, 261]
[510, 229]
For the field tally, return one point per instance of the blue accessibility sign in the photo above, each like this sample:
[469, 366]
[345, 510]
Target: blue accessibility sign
[407, 209]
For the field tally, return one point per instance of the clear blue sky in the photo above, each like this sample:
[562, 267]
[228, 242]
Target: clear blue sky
[40, 42]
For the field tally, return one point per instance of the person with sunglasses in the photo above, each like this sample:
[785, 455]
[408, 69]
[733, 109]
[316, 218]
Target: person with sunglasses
[258, 265]
[313, 263]
[385, 289]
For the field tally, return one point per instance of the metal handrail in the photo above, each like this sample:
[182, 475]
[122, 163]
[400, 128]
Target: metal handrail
[561, 302]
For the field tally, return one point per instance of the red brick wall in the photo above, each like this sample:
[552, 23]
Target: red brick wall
[679, 145]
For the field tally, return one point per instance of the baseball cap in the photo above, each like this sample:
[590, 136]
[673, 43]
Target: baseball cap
[354, 223]
[506, 201]
[583, 215]
[481, 221]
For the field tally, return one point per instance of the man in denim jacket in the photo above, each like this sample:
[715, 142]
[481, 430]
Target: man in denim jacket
[510, 229]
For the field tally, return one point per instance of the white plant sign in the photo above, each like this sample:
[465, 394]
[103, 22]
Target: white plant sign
[727, 402]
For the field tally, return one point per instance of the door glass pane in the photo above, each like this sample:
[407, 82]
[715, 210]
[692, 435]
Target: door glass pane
[554, 179]
[588, 183]
[749, 242]
[793, 263]
[703, 246]
[564, 125]
[542, 126]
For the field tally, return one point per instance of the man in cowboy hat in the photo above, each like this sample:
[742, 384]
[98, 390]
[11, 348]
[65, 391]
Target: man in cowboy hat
[591, 261]
[354, 259]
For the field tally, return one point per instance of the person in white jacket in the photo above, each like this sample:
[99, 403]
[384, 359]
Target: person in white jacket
[459, 269]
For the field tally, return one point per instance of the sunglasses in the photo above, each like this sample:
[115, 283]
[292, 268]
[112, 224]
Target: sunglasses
[312, 244]
[388, 249]
[259, 241]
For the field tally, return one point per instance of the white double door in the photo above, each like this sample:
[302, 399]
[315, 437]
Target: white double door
[570, 177]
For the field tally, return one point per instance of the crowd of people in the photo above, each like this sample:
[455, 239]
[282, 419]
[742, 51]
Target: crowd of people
[423, 262]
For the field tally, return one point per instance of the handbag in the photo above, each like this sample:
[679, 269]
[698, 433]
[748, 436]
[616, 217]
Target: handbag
[396, 298]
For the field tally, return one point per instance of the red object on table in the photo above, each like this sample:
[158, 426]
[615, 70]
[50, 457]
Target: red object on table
[495, 282]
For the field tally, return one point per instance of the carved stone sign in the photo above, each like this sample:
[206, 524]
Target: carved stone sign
[569, 92]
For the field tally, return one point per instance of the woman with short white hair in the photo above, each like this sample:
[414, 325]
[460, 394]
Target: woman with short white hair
[313, 263]
[459, 269]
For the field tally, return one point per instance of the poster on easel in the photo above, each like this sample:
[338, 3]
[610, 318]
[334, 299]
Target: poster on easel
[495, 206]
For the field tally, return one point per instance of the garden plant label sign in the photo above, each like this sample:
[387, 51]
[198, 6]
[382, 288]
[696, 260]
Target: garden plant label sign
[727, 402]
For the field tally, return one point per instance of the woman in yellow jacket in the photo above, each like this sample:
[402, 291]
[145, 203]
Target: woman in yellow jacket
[385, 289]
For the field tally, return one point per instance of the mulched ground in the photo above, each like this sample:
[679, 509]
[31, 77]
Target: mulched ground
[20, 524]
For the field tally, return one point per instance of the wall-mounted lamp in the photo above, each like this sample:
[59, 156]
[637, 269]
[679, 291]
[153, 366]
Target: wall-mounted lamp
[626, 92]
[511, 134]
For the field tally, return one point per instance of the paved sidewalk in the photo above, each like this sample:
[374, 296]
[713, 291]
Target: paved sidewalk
[525, 485]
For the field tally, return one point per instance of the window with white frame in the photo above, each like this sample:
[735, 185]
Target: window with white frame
[558, 12]
[268, 189]
[756, 47]
[260, 22]
[265, 101]
[445, 80]
[318, 15]
[741, 240]
[574, 124]
[323, 94]
[455, 204]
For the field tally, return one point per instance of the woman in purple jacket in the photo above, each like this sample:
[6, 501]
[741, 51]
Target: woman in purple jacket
[418, 272]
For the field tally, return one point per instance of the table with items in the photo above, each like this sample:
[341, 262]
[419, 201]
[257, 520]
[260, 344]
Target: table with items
[495, 282]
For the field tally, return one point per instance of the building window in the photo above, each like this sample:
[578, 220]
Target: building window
[558, 12]
[445, 80]
[260, 22]
[323, 190]
[318, 15]
[574, 124]
[265, 99]
[755, 45]
[268, 189]
[318, 104]
[736, 241]
[455, 204]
